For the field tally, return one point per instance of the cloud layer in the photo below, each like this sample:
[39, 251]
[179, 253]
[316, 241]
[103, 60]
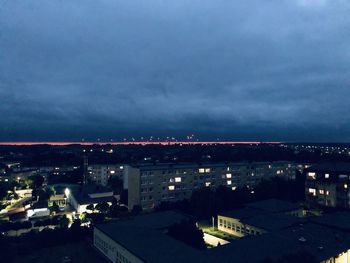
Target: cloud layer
[272, 70]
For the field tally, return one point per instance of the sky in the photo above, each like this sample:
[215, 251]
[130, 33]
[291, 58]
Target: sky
[274, 70]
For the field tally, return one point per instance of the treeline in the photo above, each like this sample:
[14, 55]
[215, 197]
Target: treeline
[34, 240]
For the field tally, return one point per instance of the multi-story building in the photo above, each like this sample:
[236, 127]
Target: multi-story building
[101, 173]
[328, 184]
[149, 185]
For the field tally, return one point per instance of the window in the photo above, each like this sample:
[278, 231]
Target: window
[171, 187]
[177, 179]
[207, 184]
[345, 186]
[234, 188]
[229, 182]
[312, 191]
[201, 170]
[321, 191]
[207, 170]
[228, 175]
[327, 192]
[312, 175]
[326, 176]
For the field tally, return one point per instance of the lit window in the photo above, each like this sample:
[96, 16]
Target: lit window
[312, 175]
[171, 187]
[327, 192]
[177, 179]
[345, 186]
[278, 172]
[229, 182]
[171, 180]
[201, 170]
[234, 188]
[121, 167]
[228, 175]
[228, 169]
[326, 176]
[312, 191]
[207, 170]
[112, 172]
[321, 191]
[207, 184]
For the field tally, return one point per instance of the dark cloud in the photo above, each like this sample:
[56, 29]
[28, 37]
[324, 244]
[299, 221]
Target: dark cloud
[244, 70]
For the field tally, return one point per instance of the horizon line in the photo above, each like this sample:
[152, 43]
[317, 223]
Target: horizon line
[64, 143]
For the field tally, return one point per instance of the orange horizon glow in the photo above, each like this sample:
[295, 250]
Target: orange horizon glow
[133, 143]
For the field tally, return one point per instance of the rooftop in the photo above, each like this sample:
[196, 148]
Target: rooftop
[140, 235]
[274, 206]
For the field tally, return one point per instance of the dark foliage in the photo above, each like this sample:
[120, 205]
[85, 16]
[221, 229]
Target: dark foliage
[187, 232]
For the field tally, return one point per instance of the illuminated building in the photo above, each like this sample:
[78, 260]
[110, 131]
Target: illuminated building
[79, 197]
[328, 184]
[149, 185]
[144, 239]
[259, 217]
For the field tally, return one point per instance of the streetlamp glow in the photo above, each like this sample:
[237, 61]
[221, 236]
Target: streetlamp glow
[67, 192]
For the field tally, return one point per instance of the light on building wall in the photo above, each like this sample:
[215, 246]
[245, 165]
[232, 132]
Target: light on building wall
[312, 175]
[67, 192]
[312, 191]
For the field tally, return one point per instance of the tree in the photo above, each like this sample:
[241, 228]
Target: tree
[64, 222]
[54, 208]
[4, 187]
[36, 181]
[46, 193]
[103, 207]
[187, 232]
[90, 207]
[116, 184]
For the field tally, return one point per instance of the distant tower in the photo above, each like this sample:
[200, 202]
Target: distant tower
[85, 172]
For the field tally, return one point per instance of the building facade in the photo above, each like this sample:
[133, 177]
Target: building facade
[101, 173]
[149, 185]
[328, 185]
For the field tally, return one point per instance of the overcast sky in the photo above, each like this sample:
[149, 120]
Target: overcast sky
[230, 69]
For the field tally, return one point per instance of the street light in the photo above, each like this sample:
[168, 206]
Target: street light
[67, 192]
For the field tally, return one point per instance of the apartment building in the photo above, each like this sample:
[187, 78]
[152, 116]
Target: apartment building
[101, 173]
[328, 184]
[151, 184]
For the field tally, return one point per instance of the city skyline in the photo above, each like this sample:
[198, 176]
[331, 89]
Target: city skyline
[238, 71]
